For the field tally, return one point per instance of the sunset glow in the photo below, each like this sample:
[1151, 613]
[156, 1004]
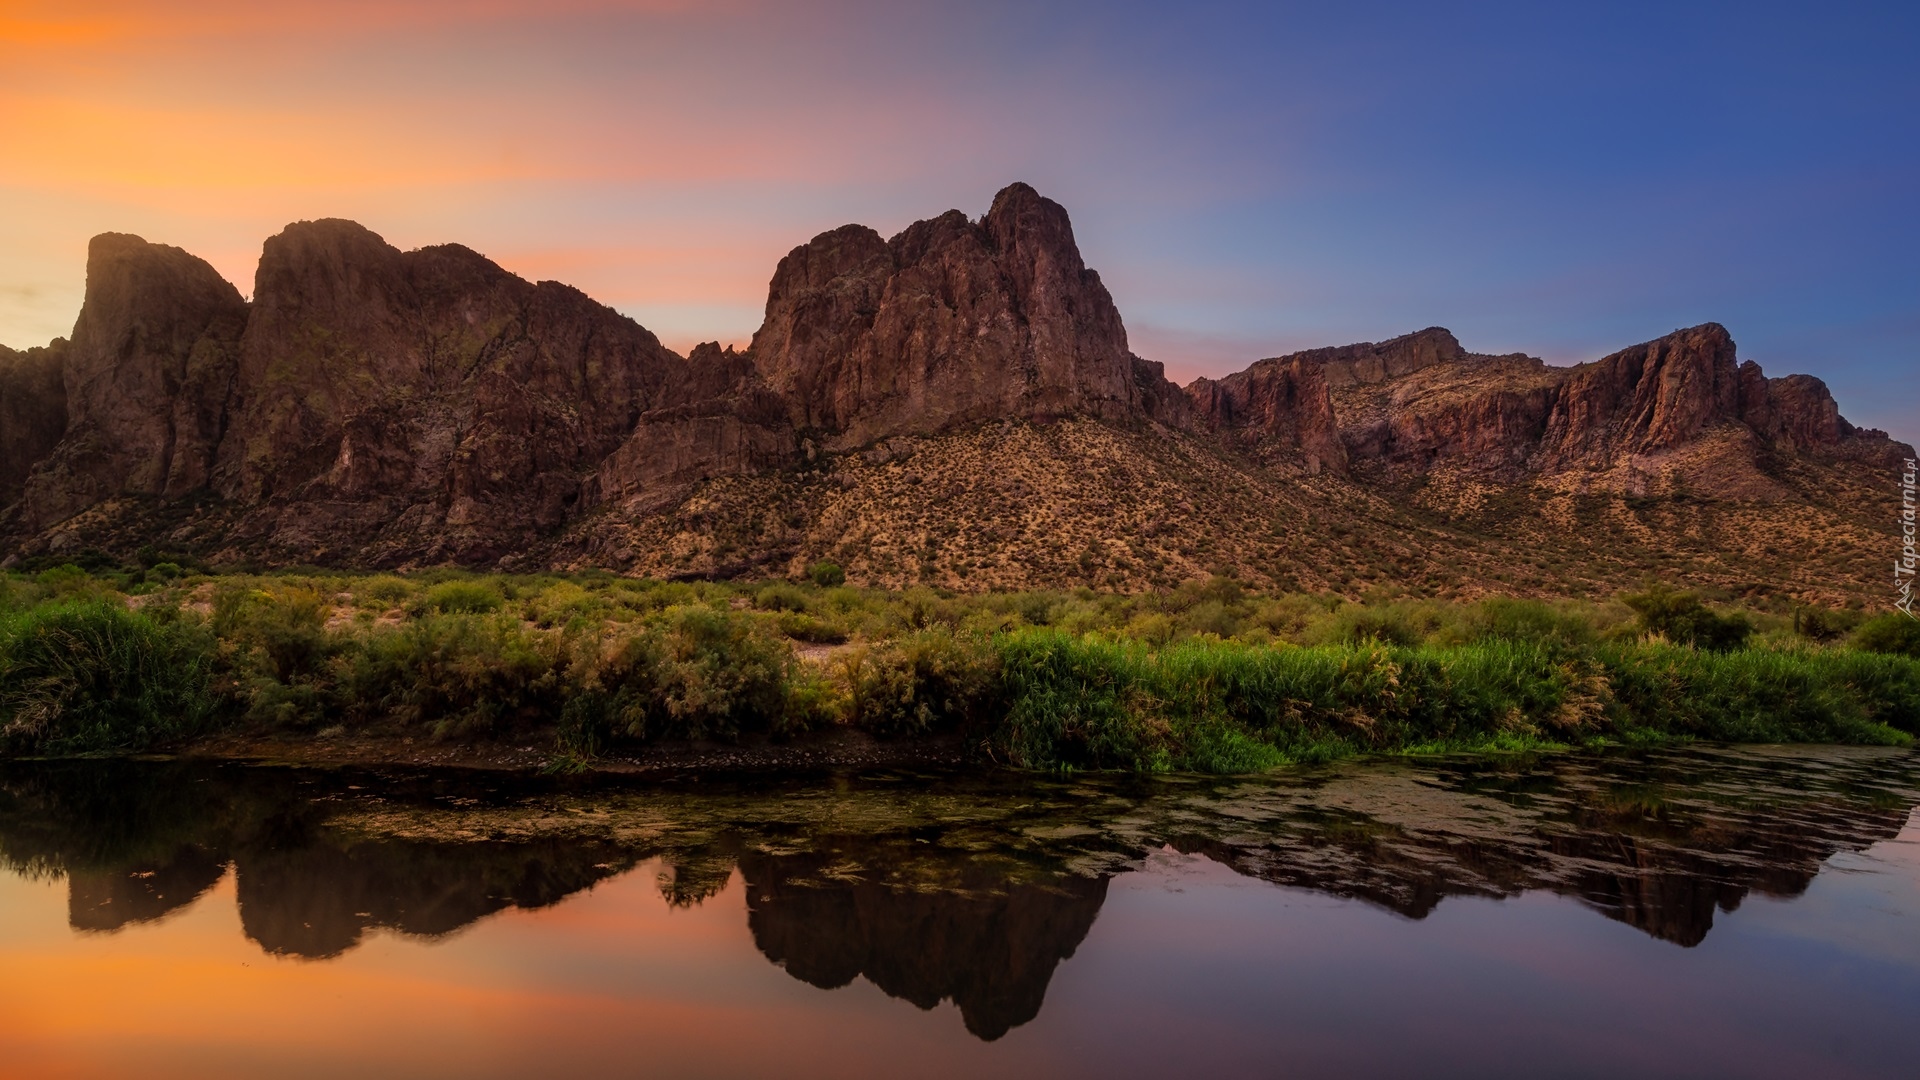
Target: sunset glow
[1240, 182]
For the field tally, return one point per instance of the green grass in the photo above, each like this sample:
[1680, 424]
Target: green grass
[90, 676]
[1206, 677]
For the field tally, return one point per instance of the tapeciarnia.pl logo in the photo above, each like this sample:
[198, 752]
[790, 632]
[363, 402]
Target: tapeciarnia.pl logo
[1903, 568]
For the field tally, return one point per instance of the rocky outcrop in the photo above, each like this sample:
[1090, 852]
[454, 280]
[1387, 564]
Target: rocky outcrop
[427, 398]
[1277, 408]
[1800, 414]
[33, 413]
[729, 423]
[1369, 362]
[145, 375]
[1420, 402]
[374, 406]
[951, 322]
[1650, 397]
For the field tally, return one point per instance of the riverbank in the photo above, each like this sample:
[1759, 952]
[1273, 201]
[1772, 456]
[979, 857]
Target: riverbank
[598, 672]
[837, 749]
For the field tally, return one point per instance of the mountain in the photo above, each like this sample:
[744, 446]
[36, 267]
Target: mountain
[956, 405]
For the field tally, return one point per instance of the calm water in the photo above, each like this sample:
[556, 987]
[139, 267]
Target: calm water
[1696, 913]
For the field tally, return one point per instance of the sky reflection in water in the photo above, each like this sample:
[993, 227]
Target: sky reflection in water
[1759, 919]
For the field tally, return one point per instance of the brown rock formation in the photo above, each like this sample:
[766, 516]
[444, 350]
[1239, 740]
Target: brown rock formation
[1650, 397]
[429, 398]
[1368, 362]
[33, 413]
[949, 323]
[731, 424]
[146, 377]
[1420, 402]
[1276, 407]
[895, 412]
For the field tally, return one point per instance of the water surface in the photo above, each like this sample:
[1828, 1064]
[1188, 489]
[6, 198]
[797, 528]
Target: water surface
[1675, 913]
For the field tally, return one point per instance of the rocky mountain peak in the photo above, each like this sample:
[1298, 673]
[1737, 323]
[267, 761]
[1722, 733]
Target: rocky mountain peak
[949, 322]
[1650, 397]
[374, 406]
[144, 376]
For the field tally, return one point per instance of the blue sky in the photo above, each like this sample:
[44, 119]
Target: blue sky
[1558, 179]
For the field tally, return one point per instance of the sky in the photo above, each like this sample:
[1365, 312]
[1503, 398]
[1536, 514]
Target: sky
[1249, 178]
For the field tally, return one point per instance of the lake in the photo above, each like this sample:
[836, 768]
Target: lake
[1692, 912]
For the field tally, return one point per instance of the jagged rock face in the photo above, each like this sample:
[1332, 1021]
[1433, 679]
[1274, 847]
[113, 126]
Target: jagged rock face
[33, 413]
[146, 377]
[727, 422]
[1370, 362]
[1276, 407]
[378, 407]
[1797, 410]
[950, 322]
[1647, 398]
[429, 396]
[1419, 402]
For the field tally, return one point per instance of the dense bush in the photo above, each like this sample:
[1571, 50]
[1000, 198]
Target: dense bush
[1894, 632]
[1681, 618]
[461, 674]
[89, 676]
[1224, 706]
[1206, 677]
[1757, 695]
[698, 674]
[930, 680]
[464, 598]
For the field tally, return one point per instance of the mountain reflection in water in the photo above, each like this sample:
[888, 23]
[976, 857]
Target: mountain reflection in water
[960, 887]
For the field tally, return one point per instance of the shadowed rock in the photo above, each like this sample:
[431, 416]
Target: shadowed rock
[987, 944]
[33, 413]
[146, 378]
[374, 407]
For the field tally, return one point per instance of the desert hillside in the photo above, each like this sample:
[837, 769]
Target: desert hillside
[956, 406]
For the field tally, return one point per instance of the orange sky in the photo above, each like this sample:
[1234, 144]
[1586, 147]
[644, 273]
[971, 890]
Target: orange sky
[608, 977]
[1248, 178]
[212, 125]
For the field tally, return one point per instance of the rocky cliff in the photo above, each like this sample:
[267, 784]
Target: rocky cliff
[145, 378]
[951, 322]
[33, 412]
[957, 404]
[1681, 406]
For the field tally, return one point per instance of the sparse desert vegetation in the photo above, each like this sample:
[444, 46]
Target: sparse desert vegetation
[1209, 676]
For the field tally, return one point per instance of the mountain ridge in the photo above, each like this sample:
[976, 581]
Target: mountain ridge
[386, 408]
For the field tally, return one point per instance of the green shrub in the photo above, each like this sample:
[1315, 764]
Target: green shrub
[780, 597]
[462, 674]
[283, 626]
[700, 673]
[464, 598]
[1504, 618]
[826, 575]
[1751, 695]
[1078, 702]
[1823, 624]
[1681, 618]
[279, 652]
[383, 591]
[91, 676]
[564, 603]
[930, 680]
[1893, 632]
[1388, 624]
[801, 626]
